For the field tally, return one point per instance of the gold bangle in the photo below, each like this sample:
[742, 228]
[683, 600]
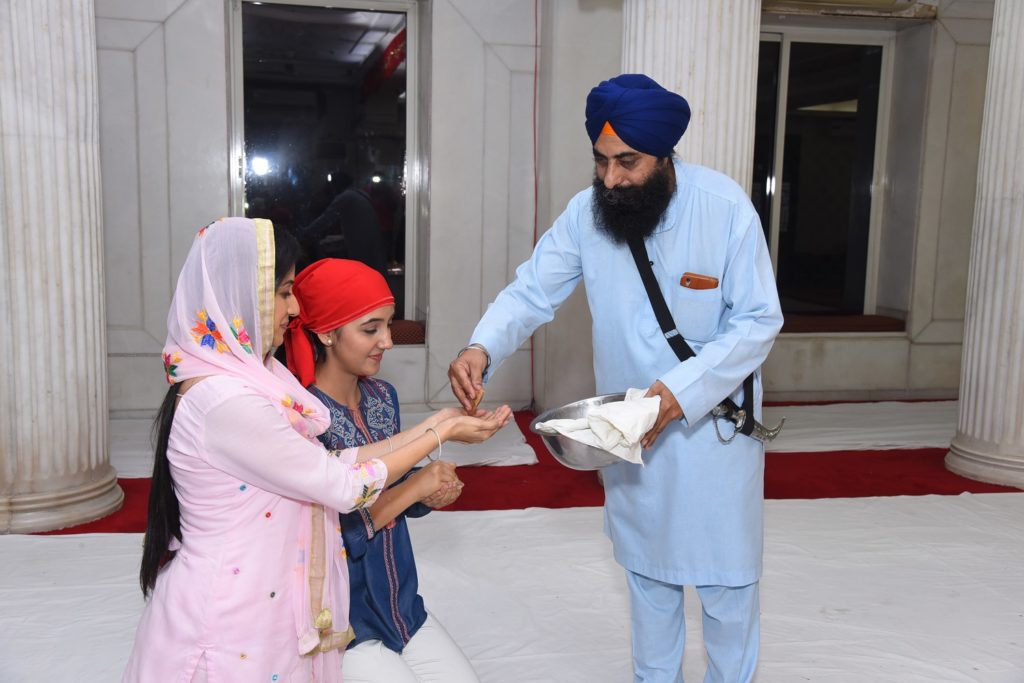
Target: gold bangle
[438, 437]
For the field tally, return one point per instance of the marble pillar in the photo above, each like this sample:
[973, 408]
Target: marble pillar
[54, 464]
[989, 443]
[706, 52]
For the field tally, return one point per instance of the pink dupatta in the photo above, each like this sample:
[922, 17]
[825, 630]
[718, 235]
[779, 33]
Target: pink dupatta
[221, 323]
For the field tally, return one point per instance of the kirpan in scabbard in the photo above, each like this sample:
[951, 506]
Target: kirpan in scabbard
[742, 418]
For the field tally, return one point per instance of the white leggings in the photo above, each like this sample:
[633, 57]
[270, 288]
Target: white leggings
[431, 656]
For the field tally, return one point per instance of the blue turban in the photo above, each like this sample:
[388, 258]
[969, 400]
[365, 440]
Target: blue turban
[644, 115]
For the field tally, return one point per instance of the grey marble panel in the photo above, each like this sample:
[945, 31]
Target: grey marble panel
[849, 362]
[145, 10]
[163, 115]
[122, 34]
[119, 163]
[970, 31]
[481, 175]
[154, 199]
[960, 183]
[499, 22]
[197, 118]
[933, 162]
[967, 9]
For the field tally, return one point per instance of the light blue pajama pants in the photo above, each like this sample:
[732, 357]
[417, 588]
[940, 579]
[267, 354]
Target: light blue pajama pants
[731, 621]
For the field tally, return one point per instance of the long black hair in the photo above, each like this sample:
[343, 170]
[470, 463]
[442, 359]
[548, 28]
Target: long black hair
[163, 521]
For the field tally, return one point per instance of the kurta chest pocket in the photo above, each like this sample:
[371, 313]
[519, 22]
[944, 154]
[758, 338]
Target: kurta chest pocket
[696, 311]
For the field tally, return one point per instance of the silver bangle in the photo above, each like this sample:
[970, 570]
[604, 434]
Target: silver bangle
[438, 437]
[479, 347]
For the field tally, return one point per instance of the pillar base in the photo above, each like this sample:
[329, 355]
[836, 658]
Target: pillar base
[32, 512]
[990, 468]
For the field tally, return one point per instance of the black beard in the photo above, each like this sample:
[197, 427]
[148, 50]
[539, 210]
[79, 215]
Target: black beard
[637, 210]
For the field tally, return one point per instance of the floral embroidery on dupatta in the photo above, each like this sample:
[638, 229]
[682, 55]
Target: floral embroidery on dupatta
[297, 414]
[238, 329]
[206, 333]
[289, 402]
[202, 231]
[171, 361]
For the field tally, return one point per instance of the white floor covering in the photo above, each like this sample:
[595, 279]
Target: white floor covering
[836, 427]
[872, 589]
[507, 447]
[863, 426]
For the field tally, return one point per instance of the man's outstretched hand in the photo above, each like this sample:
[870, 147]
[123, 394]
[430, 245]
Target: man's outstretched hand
[466, 374]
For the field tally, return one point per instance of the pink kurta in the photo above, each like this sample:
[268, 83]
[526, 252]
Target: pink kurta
[236, 596]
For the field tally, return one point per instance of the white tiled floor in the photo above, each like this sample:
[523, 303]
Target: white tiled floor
[870, 589]
[843, 426]
[862, 426]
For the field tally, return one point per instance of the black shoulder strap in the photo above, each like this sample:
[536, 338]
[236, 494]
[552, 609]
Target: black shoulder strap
[674, 337]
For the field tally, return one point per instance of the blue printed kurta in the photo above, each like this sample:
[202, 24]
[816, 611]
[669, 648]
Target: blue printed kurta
[384, 605]
[693, 514]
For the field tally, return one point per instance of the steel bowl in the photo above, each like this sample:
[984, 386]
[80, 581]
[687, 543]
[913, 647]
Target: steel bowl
[569, 452]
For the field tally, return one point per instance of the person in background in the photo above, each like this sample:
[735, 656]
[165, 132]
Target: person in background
[335, 347]
[242, 564]
[348, 227]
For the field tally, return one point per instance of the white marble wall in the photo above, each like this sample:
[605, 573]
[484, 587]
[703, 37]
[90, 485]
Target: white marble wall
[164, 159]
[934, 134]
[950, 168]
[579, 51]
[164, 114]
[928, 204]
[481, 170]
[934, 117]
[164, 117]
[901, 190]
[939, 115]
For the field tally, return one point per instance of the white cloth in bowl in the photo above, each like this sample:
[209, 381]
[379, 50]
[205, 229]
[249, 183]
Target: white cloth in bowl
[616, 427]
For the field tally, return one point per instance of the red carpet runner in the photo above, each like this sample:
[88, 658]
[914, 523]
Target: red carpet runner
[835, 474]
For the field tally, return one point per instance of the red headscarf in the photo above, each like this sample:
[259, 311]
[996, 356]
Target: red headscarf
[332, 292]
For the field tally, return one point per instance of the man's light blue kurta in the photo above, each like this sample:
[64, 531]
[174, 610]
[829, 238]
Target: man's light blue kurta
[693, 514]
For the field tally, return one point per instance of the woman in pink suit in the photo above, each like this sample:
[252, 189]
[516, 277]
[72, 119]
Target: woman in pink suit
[243, 563]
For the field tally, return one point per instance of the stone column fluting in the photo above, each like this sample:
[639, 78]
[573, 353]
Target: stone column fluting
[989, 443]
[54, 464]
[707, 52]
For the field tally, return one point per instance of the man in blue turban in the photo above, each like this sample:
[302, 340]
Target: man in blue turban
[692, 514]
[643, 114]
